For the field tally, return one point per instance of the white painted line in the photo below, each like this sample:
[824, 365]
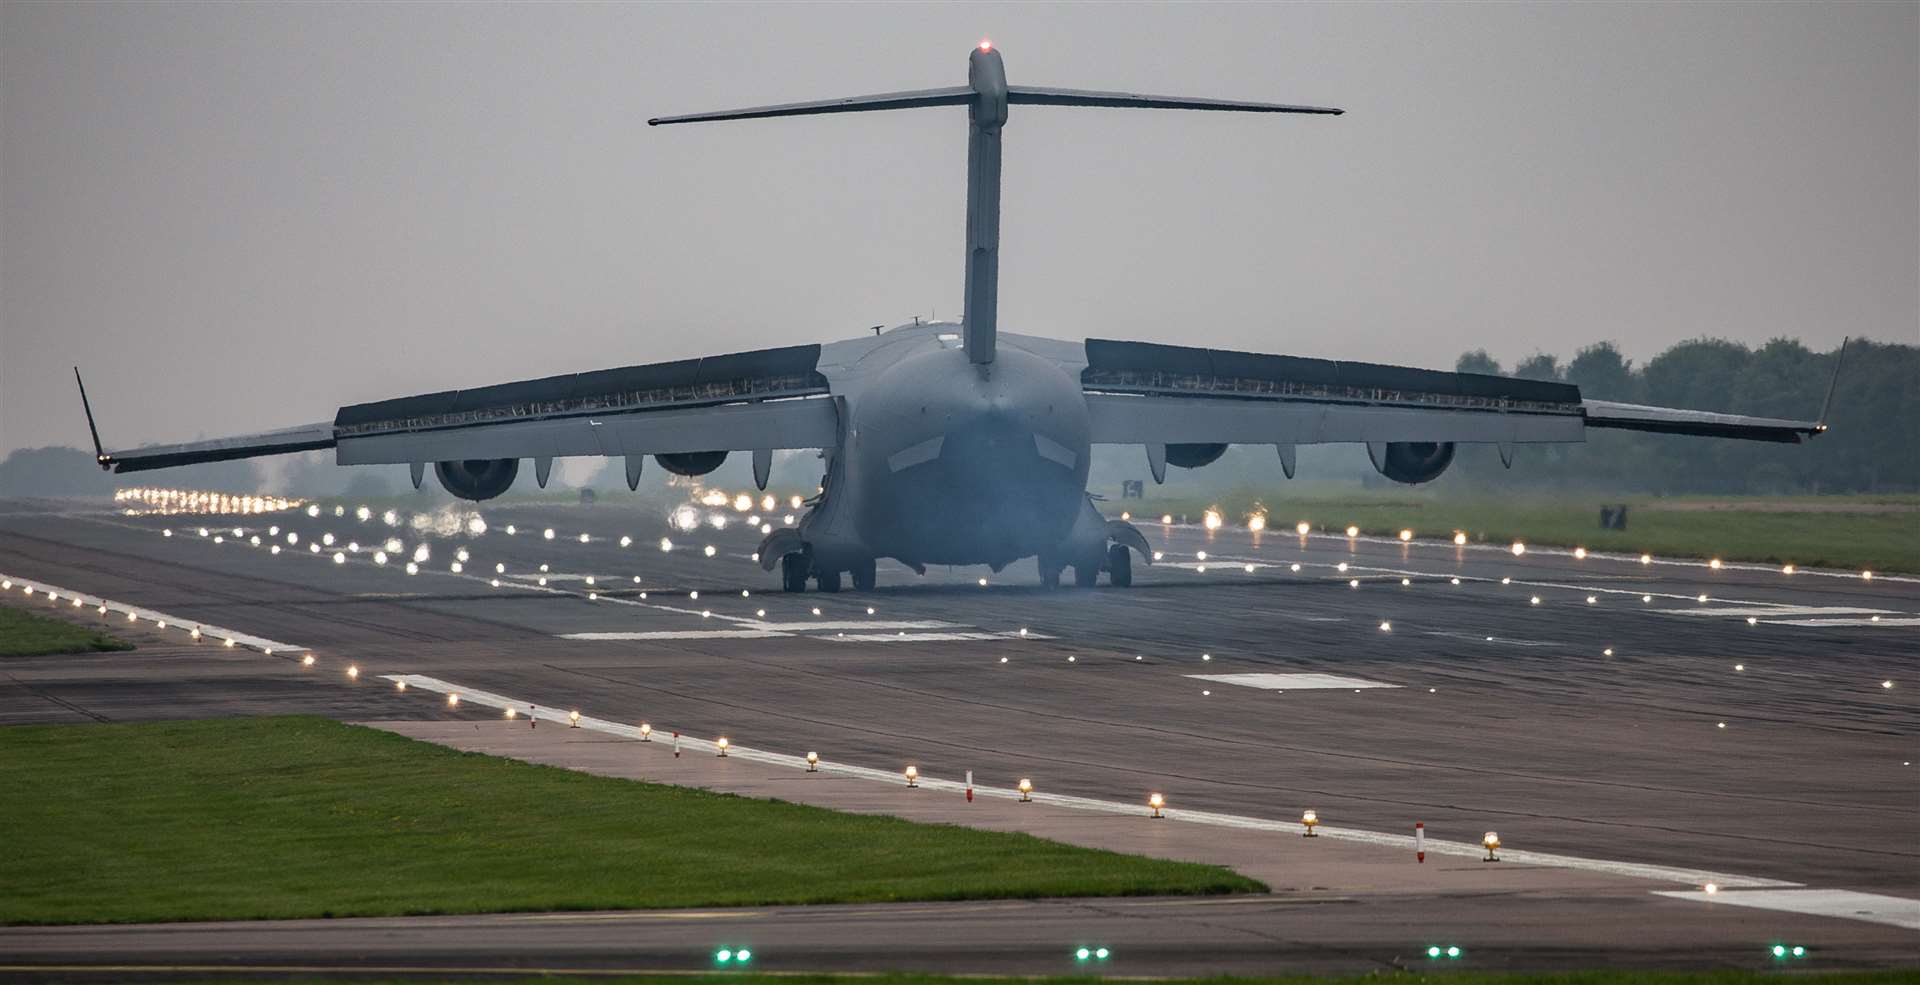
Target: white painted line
[1492, 639]
[208, 631]
[1403, 842]
[1291, 682]
[1765, 610]
[905, 637]
[1841, 622]
[869, 624]
[680, 634]
[1842, 903]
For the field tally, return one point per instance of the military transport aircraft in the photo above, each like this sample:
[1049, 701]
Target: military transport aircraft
[951, 442]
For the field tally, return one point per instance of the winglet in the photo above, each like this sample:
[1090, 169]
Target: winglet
[1833, 384]
[99, 454]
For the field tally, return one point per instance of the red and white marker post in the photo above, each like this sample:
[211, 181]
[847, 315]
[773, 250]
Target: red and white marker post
[1420, 841]
[969, 786]
[676, 745]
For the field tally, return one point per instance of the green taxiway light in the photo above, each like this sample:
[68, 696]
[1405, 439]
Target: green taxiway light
[729, 956]
[1433, 952]
[1450, 951]
[1082, 954]
[723, 955]
[1101, 953]
[1799, 952]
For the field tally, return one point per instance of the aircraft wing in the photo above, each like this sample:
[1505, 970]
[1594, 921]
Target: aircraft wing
[1144, 393]
[748, 401]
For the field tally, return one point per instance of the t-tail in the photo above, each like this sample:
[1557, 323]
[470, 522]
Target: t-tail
[987, 97]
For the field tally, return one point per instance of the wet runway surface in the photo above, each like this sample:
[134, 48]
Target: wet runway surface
[1618, 717]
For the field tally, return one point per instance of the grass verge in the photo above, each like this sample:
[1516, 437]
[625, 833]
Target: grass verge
[304, 817]
[23, 634]
[1809, 531]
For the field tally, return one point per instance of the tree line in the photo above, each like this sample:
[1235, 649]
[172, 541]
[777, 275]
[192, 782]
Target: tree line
[1872, 445]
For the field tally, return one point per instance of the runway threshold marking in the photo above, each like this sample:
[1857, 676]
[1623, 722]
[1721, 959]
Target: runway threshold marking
[1846, 904]
[1400, 842]
[1291, 682]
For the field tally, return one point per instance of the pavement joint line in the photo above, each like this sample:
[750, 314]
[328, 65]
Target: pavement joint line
[1403, 842]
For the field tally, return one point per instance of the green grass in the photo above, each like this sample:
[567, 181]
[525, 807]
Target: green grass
[23, 634]
[1840, 532]
[302, 817]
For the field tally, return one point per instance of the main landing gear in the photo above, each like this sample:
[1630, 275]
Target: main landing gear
[796, 568]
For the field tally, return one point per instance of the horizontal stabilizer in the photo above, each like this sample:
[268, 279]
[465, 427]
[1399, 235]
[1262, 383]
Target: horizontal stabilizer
[1035, 96]
[950, 96]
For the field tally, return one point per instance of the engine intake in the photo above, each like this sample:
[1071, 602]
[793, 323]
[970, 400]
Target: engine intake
[477, 478]
[1411, 462]
[691, 462]
[1192, 456]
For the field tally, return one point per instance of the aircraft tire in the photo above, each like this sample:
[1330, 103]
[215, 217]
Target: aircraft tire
[865, 576]
[1120, 566]
[829, 581]
[1050, 573]
[793, 572]
[1086, 575]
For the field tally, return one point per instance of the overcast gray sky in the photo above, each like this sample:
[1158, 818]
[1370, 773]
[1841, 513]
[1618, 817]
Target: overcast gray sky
[237, 217]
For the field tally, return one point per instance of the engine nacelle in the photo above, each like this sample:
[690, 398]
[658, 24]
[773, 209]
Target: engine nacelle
[1192, 456]
[691, 462]
[477, 478]
[1411, 462]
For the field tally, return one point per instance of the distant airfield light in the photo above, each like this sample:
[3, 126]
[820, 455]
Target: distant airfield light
[1257, 522]
[1309, 819]
[742, 503]
[1406, 535]
[1385, 626]
[1608, 652]
[1249, 568]
[326, 539]
[412, 568]
[218, 539]
[339, 511]
[1072, 659]
[1353, 531]
[275, 549]
[456, 567]
[1206, 656]
[313, 547]
[510, 530]
[1646, 598]
[1506, 581]
[1646, 559]
[816, 610]
[363, 514]
[1580, 553]
[869, 608]
[394, 545]
[494, 582]
[399, 685]
[1519, 548]
[339, 557]
[1710, 888]
[794, 502]
[1211, 520]
[353, 672]
[1156, 802]
[547, 533]
[760, 613]
[1752, 621]
[313, 510]
[573, 718]
[1701, 598]
[1404, 582]
[1353, 583]
[665, 545]
[1459, 538]
[453, 700]
[721, 744]
[167, 532]
[254, 540]
[203, 531]
[543, 568]
[422, 553]
[132, 618]
[1866, 576]
[475, 525]
[983, 583]
[1874, 619]
[787, 519]
[1342, 566]
[511, 713]
[709, 550]
[461, 555]
[1535, 600]
[1159, 555]
[1126, 515]
[1455, 581]
[1740, 667]
[390, 518]
[584, 538]
[1786, 569]
[1490, 841]
[1303, 528]
[1199, 555]
[1884, 684]
[305, 661]
[1025, 786]
[1003, 659]
[1720, 725]
[1593, 599]
[1714, 564]
[646, 732]
[590, 580]
[913, 776]
[1166, 518]
[1295, 567]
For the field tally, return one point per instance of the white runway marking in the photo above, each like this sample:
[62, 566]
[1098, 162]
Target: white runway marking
[1845, 904]
[820, 624]
[1841, 622]
[1492, 639]
[1765, 610]
[679, 634]
[1400, 842]
[1291, 682]
[902, 637]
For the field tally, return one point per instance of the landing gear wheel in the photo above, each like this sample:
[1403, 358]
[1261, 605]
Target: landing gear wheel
[1050, 573]
[793, 572]
[829, 581]
[1086, 575]
[864, 576]
[1120, 566]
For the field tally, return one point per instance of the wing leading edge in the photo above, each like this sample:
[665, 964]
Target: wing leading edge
[1161, 394]
[749, 401]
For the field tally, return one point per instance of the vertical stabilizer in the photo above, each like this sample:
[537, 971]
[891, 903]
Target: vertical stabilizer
[987, 114]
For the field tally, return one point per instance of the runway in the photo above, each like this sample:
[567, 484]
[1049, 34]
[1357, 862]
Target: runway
[1619, 717]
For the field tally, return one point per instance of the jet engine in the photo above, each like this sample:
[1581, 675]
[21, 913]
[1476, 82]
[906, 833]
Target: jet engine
[1411, 462]
[477, 478]
[1192, 456]
[691, 462]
